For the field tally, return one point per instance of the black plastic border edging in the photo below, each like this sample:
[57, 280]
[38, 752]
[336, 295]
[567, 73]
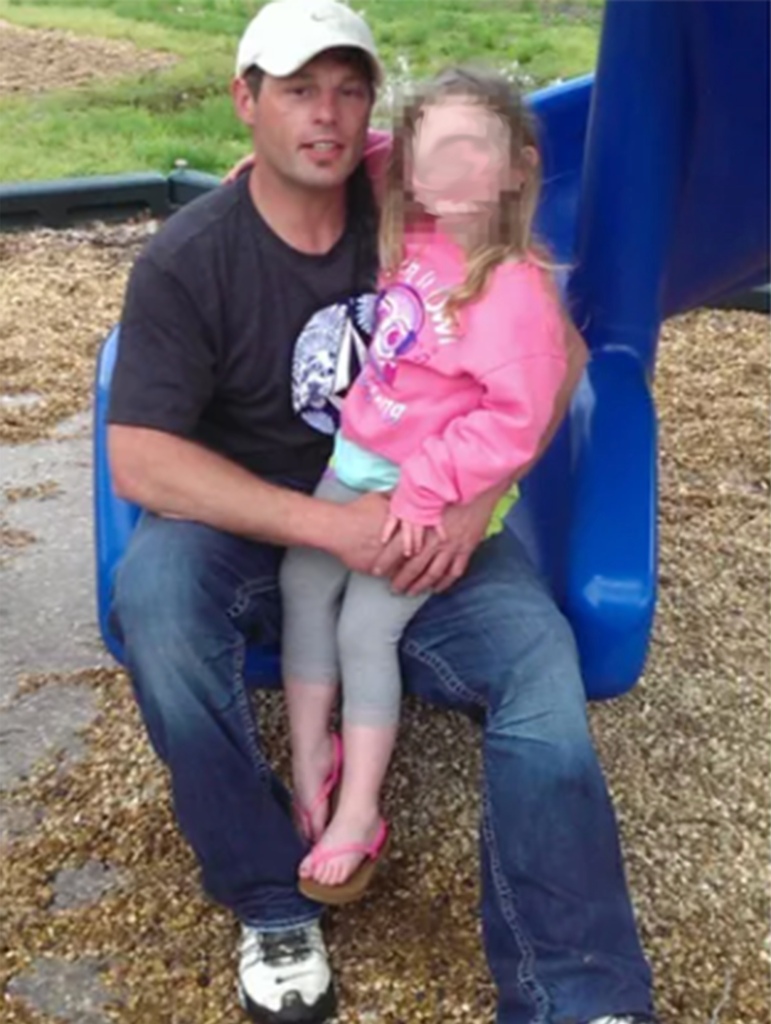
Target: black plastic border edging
[62, 203]
[58, 204]
[754, 300]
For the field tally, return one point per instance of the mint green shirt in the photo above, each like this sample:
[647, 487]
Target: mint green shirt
[360, 469]
[363, 470]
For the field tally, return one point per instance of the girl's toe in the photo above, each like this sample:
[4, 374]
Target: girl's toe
[322, 874]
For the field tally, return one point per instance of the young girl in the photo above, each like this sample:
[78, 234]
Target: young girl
[459, 386]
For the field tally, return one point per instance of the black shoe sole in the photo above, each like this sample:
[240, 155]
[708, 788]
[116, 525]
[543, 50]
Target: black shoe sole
[322, 1010]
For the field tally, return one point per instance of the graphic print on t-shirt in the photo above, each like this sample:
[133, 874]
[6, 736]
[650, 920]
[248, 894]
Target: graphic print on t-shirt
[399, 318]
[328, 355]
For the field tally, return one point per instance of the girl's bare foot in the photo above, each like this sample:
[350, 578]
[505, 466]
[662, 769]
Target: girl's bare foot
[341, 832]
[311, 770]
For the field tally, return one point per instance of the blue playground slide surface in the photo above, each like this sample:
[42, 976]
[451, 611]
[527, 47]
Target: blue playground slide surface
[656, 200]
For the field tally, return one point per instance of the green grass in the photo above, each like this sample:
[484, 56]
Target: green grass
[148, 122]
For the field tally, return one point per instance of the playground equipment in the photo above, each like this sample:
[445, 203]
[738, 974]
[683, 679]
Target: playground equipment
[657, 193]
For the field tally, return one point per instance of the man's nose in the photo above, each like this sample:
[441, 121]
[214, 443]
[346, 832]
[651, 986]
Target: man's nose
[326, 111]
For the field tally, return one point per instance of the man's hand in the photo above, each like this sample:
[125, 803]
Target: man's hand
[440, 562]
[358, 542]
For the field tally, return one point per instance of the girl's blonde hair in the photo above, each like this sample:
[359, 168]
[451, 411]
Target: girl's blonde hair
[512, 236]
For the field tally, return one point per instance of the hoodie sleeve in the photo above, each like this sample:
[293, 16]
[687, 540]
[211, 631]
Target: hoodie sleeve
[516, 350]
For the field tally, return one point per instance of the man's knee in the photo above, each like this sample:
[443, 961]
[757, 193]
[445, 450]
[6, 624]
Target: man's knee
[174, 605]
[538, 702]
[533, 687]
[497, 645]
[162, 584]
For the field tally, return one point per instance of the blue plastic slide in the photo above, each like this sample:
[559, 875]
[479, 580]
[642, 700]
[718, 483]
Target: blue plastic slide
[657, 198]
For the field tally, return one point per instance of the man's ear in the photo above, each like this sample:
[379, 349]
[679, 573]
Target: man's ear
[244, 102]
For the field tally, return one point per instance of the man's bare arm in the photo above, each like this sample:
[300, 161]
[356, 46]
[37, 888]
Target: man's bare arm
[176, 477]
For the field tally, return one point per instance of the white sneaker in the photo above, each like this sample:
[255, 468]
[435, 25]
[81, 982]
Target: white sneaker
[284, 977]
[624, 1018]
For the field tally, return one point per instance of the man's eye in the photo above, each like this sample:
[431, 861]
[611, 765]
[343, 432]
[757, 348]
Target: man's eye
[355, 91]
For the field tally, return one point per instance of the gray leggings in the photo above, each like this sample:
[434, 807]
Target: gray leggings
[343, 625]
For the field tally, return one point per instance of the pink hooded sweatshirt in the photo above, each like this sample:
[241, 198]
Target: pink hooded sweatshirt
[458, 408]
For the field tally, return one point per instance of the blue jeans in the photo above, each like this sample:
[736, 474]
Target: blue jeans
[558, 925]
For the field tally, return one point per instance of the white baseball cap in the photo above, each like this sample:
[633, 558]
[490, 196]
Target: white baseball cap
[286, 34]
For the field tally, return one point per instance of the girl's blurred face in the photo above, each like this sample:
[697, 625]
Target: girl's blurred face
[460, 158]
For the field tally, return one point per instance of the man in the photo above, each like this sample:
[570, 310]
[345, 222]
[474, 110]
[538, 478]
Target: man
[243, 322]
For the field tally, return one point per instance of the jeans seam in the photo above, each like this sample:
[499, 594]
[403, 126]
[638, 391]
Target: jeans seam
[244, 708]
[526, 978]
[263, 769]
[245, 593]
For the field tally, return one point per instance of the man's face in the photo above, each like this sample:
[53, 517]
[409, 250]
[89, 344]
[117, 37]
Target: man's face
[460, 155]
[309, 128]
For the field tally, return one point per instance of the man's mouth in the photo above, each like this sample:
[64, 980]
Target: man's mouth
[323, 146]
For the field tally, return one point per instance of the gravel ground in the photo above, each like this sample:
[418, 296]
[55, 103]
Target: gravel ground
[41, 60]
[60, 291]
[687, 752]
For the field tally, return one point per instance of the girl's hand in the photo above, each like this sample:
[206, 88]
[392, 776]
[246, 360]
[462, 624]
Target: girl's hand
[413, 535]
[243, 165]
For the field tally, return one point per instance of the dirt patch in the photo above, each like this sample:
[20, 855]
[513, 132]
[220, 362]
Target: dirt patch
[42, 491]
[686, 753]
[12, 541]
[11, 538]
[40, 60]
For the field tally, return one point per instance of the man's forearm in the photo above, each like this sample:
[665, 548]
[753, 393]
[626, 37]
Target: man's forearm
[175, 477]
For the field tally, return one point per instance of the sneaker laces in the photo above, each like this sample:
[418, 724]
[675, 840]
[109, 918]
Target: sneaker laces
[287, 948]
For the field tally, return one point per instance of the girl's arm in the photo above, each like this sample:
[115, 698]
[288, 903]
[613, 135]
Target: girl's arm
[483, 448]
[517, 318]
[440, 564]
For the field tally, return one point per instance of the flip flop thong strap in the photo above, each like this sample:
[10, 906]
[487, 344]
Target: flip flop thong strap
[371, 850]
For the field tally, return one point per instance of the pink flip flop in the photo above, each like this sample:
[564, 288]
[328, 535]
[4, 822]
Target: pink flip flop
[329, 785]
[354, 887]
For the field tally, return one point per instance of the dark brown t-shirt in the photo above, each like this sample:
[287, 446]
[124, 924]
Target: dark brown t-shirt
[232, 339]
